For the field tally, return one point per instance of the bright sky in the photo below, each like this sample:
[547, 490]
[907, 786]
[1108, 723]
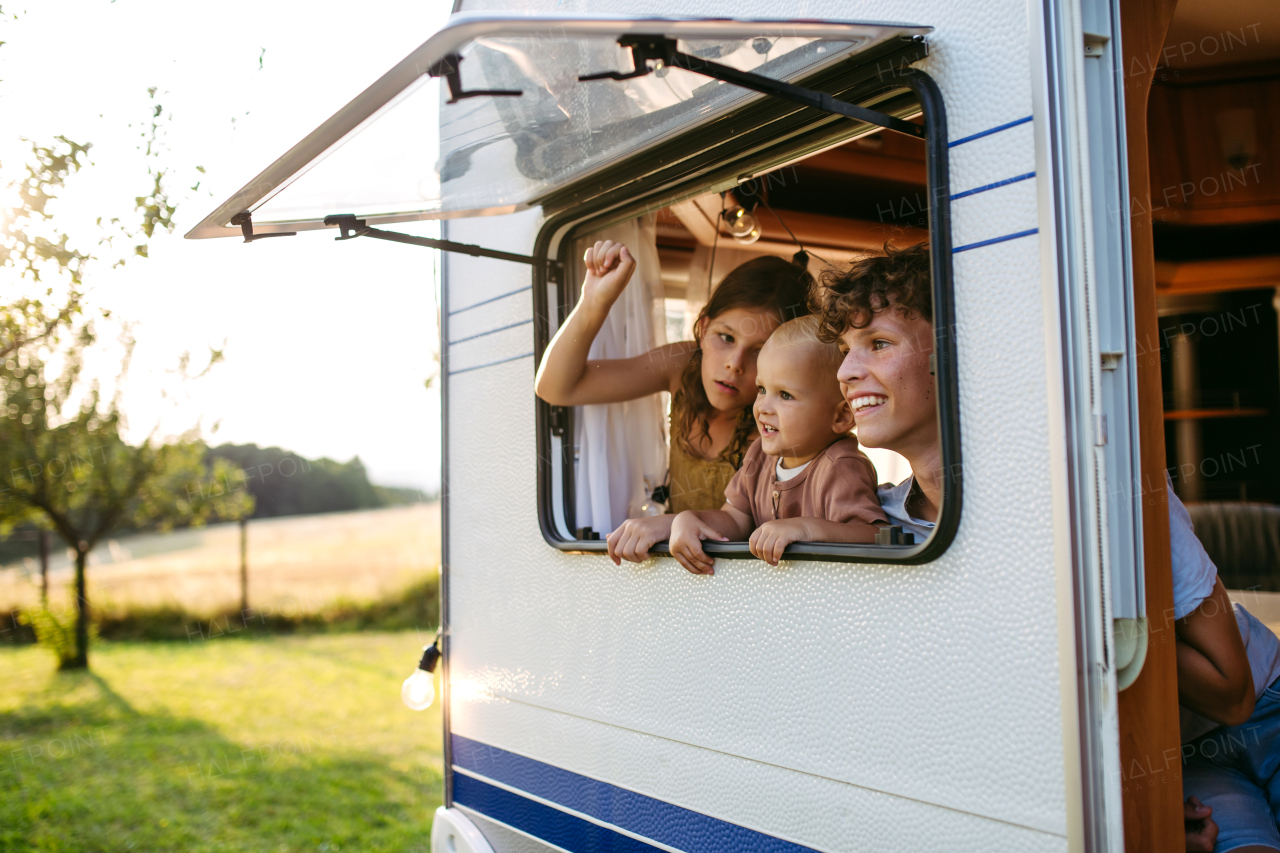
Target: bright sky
[327, 344]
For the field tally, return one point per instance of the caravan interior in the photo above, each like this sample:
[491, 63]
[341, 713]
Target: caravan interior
[1214, 136]
[1201, 80]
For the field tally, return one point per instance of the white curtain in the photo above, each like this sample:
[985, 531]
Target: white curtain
[622, 447]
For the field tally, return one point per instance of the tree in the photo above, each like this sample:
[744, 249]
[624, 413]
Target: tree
[67, 464]
[69, 467]
[31, 250]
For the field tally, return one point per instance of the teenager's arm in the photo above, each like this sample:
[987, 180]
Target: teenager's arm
[1214, 678]
[567, 378]
[772, 538]
[692, 527]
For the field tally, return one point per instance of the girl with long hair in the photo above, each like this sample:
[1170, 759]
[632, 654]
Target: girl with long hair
[712, 379]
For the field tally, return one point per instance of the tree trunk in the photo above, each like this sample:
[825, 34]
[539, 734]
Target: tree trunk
[80, 660]
[244, 569]
[44, 569]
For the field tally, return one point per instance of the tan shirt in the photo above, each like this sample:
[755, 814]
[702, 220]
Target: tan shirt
[695, 483]
[838, 485]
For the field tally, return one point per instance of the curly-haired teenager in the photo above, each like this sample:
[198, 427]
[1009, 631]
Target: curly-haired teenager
[712, 379]
[880, 310]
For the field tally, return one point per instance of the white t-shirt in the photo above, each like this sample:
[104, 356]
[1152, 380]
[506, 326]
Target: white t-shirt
[1193, 571]
[785, 474]
[1193, 578]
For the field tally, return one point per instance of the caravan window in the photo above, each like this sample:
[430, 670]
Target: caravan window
[679, 131]
[770, 182]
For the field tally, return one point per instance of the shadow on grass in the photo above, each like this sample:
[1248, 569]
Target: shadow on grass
[82, 770]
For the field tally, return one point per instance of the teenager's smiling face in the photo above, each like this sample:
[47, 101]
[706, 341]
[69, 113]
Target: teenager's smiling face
[886, 379]
[731, 343]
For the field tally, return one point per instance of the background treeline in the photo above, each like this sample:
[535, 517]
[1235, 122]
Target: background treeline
[284, 483]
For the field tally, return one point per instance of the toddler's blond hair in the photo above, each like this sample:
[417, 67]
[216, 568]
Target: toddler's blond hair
[803, 331]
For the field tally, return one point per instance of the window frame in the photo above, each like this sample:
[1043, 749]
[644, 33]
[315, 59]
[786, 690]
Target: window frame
[780, 133]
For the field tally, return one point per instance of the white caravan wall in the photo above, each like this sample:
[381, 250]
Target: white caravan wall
[843, 707]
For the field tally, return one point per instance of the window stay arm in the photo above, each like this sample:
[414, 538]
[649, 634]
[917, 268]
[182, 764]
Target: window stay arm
[351, 227]
[663, 51]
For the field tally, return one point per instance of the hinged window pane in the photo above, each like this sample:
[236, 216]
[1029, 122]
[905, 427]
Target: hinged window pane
[377, 158]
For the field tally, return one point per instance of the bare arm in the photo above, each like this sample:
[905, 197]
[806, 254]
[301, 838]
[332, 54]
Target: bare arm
[731, 523]
[1214, 678]
[567, 378]
[692, 527]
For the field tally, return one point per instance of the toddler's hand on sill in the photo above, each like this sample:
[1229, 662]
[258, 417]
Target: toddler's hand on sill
[687, 534]
[770, 540]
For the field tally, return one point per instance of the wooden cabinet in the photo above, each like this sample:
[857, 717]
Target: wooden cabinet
[1213, 138]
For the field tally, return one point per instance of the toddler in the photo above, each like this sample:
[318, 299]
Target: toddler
[804, 478]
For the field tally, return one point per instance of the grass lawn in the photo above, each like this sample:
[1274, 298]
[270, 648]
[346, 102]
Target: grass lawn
[255, 744]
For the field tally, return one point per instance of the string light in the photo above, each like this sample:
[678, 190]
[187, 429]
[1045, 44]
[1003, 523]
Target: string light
[742, 225]
[419, 689]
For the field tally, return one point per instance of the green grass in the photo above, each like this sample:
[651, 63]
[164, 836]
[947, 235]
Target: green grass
[267, 744]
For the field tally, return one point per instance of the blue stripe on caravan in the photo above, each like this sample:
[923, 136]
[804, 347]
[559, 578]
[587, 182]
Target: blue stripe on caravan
[989, 132]
[996, 185]
[553, 826]
[661, 821]
[994, 240]
[490, 299]
[489, 364]
[490, 332]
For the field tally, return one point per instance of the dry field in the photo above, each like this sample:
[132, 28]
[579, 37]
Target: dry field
[296, 564]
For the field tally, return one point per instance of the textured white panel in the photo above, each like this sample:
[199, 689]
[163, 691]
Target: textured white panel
[798, 807]
[496, 314]
[997, 157]
[491, 427]
[476, 281]
[995, 213]
[922, 703]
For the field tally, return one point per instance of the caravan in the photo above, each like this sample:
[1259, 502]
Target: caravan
[1006, 682]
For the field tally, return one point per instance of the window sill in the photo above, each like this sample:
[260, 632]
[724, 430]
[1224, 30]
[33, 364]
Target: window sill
[826, 552]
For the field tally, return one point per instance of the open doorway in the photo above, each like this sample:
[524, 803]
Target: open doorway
[1214, 131]
[1200, 79]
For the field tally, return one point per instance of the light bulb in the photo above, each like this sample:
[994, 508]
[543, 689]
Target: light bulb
[739, 221]
[419, 690]
[742, 225]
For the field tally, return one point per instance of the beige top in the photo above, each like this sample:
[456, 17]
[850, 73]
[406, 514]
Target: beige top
[838, 485]
[695, 483]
